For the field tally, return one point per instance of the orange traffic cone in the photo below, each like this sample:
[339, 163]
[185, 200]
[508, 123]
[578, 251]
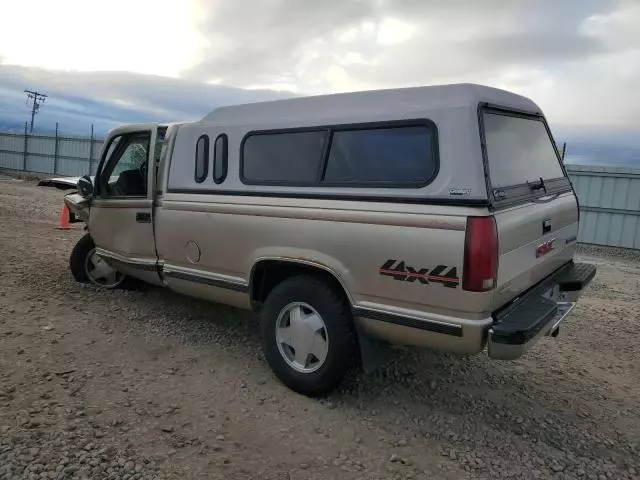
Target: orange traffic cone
[65, 216]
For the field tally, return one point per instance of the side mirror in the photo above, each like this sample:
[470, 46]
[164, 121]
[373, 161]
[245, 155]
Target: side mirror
[85, 186]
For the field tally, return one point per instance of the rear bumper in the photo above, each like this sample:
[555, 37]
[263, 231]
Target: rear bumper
[519, 325]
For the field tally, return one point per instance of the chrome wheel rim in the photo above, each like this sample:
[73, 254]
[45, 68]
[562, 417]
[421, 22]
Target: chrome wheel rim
[302, 338]
[100, 272]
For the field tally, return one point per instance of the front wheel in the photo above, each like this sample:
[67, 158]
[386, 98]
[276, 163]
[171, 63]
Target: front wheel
[87, 267]
[308, 335]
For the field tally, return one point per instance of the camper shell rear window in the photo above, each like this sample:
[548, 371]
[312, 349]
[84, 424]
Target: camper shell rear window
[520, 155]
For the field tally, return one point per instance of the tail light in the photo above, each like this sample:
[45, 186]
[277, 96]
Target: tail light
[480, 254]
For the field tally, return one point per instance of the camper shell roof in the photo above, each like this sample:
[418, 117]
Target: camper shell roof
[399, 103]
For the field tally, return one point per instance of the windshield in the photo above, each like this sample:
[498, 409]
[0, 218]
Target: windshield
[519, 150]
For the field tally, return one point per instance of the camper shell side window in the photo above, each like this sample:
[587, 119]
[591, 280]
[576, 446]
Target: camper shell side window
[220, 158]
[398, 154]
[202, 159]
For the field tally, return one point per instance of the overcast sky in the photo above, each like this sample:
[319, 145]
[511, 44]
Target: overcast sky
[132, 60]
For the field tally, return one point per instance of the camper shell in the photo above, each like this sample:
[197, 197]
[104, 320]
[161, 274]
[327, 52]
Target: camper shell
[447, 111]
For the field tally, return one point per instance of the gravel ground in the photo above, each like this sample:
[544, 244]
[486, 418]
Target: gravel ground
[148, 384]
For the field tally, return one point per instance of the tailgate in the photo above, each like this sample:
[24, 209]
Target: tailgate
[534, 241]
[536, 210]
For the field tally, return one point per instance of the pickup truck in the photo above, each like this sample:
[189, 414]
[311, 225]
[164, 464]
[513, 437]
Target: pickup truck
[437, 217]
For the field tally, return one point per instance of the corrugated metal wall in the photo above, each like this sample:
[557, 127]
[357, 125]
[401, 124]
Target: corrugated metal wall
[11, 151]
[67, 156]
[609, 196]
[609, 204]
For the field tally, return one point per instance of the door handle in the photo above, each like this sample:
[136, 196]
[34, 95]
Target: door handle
[143, 217]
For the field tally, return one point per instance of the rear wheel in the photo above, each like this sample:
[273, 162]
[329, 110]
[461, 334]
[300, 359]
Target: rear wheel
[87, 267]
[308, 335]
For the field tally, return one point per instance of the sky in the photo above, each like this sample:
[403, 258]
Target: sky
[141, 60]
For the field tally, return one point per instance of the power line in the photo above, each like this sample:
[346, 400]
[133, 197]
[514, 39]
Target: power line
[38, 98]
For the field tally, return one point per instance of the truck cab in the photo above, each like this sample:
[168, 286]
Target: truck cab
[117, 204]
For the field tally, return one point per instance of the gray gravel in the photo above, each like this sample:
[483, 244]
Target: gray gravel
[61, 455]
[615, 253]
[149, 384]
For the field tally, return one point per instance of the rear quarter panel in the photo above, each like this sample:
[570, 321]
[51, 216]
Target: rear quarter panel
[384, 254]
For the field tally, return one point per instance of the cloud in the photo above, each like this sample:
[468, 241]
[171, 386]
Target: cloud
[78, 99]
[268, 42]
[129, 35]
[297, 40]
[580, 60]
[562, 53]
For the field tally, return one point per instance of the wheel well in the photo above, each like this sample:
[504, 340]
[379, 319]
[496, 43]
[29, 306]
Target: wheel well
[269, 273]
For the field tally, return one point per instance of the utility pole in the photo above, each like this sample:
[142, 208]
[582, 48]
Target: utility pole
[38, 98]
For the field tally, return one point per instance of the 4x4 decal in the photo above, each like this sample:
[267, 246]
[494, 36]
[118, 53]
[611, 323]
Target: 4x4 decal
[405, 273]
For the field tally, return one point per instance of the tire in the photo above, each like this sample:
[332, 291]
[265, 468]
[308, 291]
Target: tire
[78, 266]
[78, 257]
[338, 332]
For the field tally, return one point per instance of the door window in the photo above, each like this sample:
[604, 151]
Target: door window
[126, 168]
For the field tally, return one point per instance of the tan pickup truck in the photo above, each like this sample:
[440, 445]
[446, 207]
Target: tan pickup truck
[438, 217]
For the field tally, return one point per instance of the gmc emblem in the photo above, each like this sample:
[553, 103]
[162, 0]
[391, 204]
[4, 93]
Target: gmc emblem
[545, 247]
